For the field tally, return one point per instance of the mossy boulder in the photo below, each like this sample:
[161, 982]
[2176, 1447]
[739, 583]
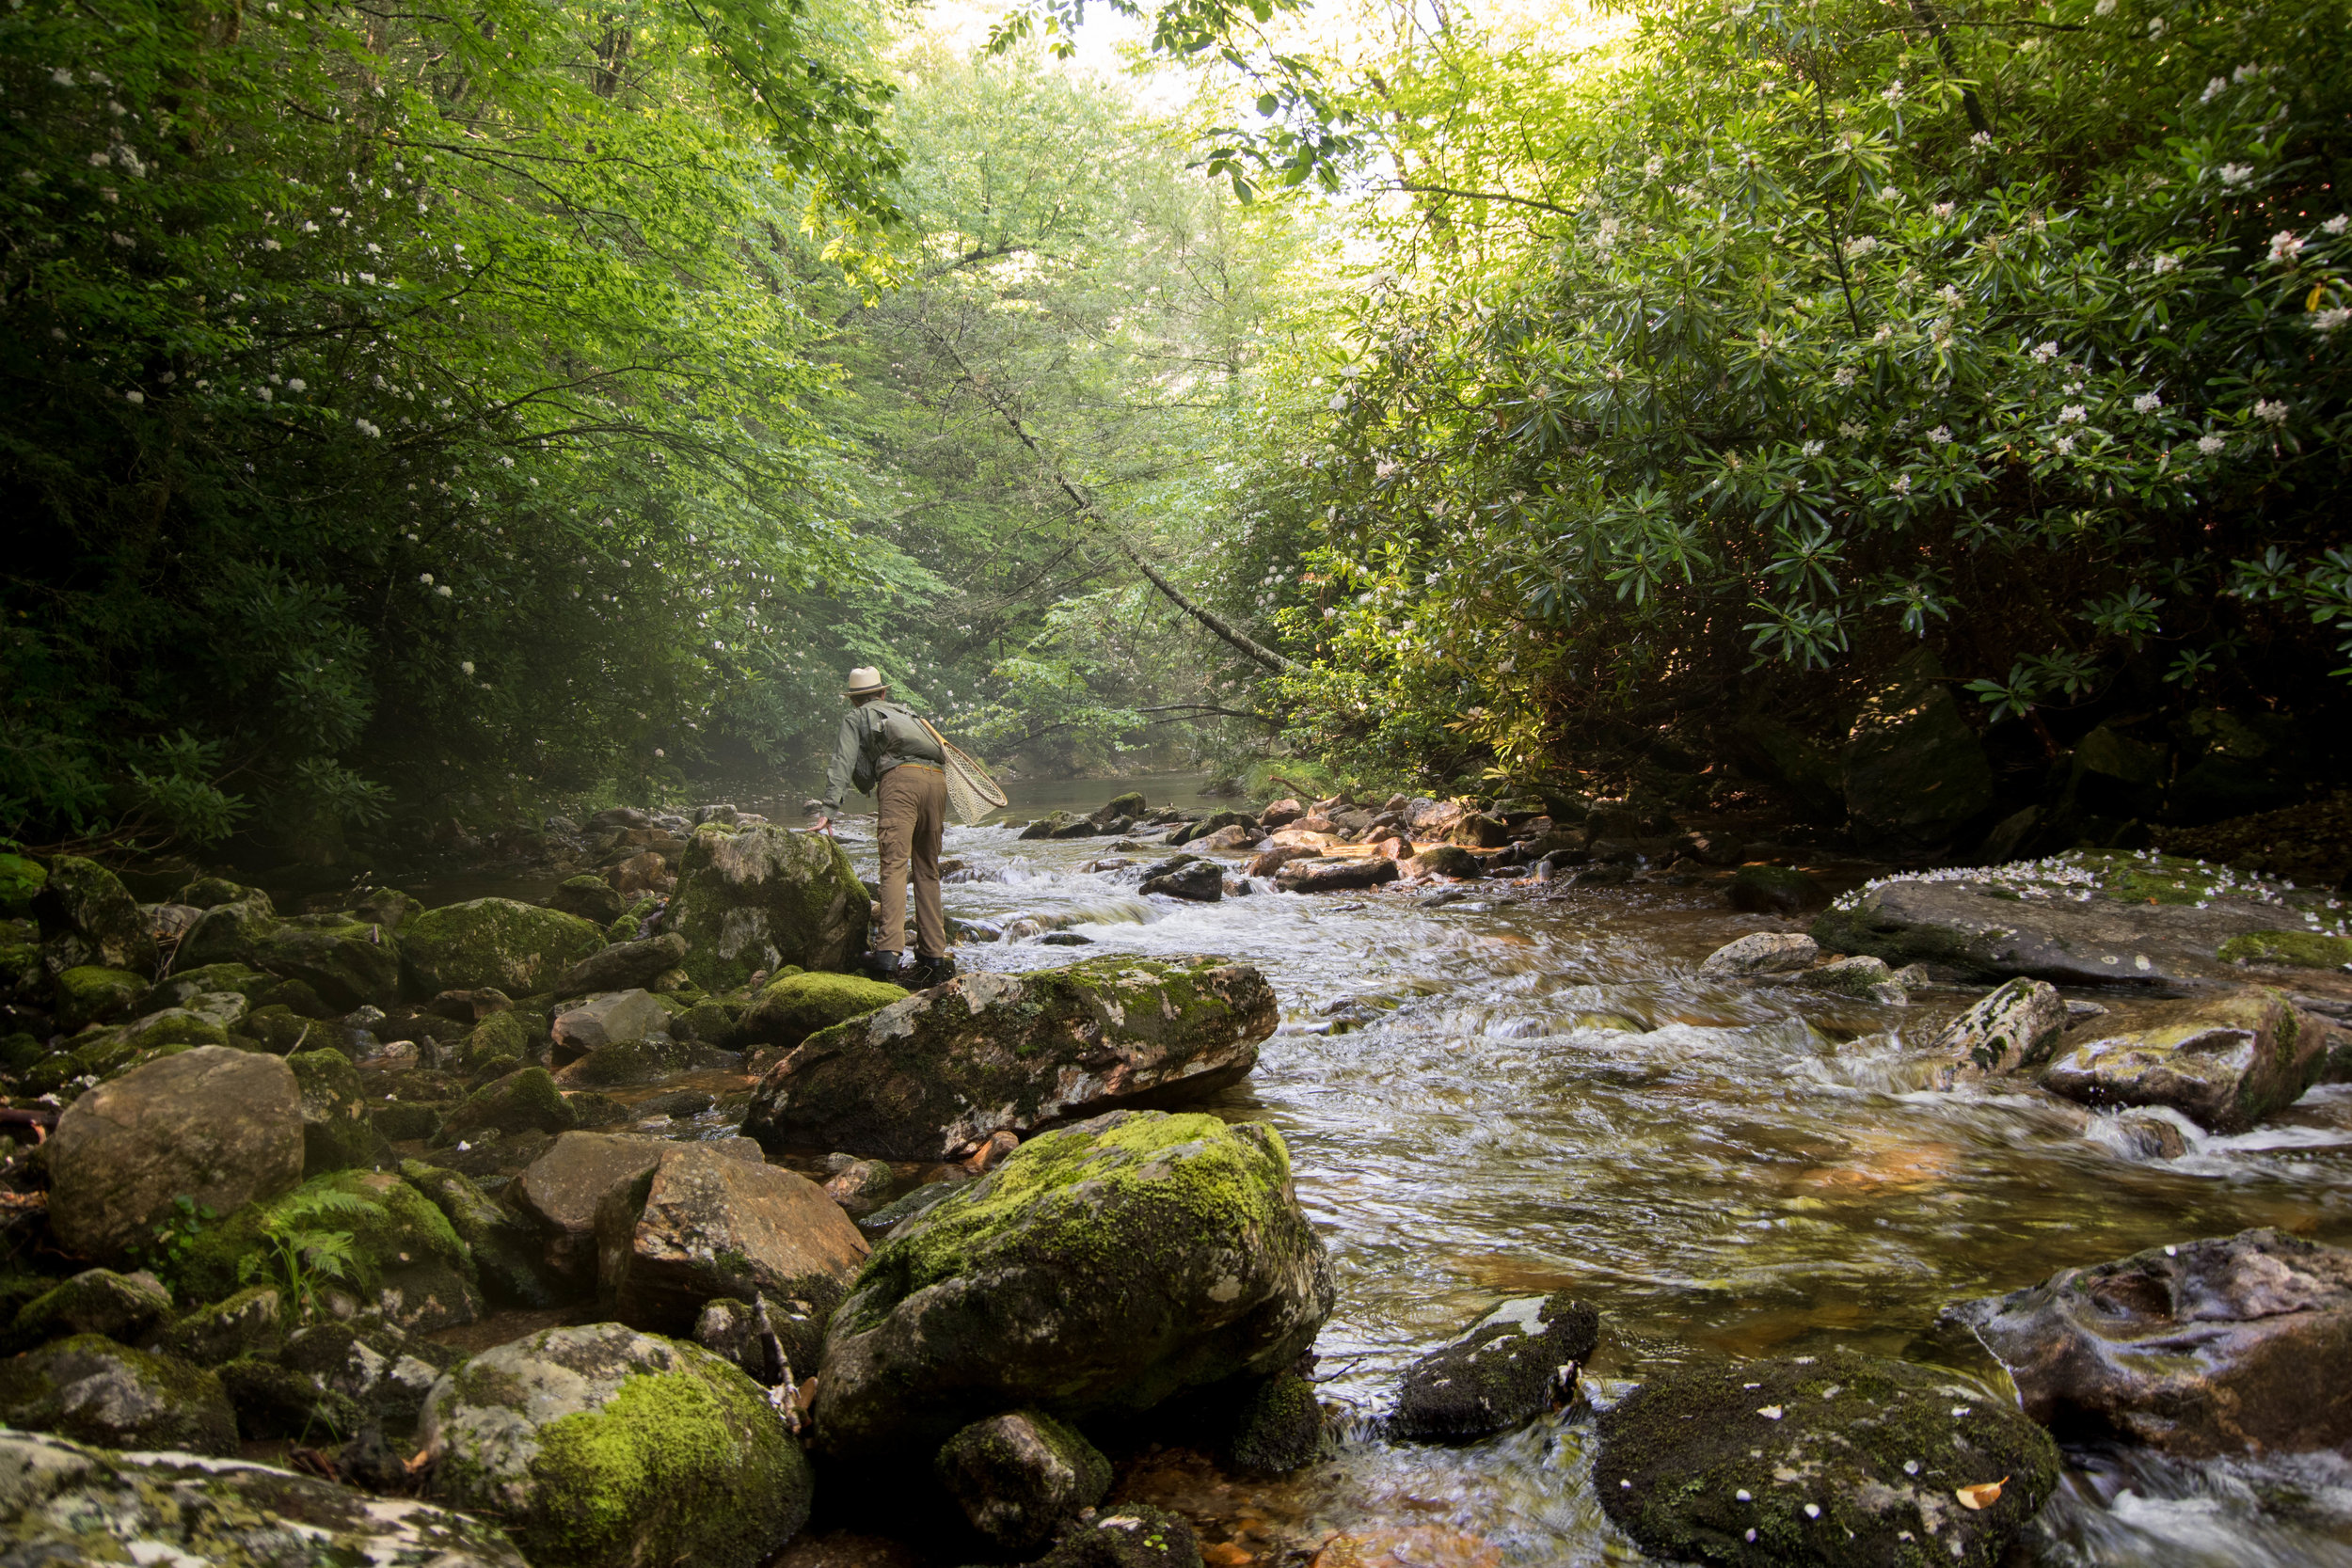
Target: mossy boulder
[787, 1011]
[713, 1020]
[185, 982]
[218, 1126]
[109, 1052]
[523, 1102]
[1279, 1428]
[78, 1504]
[276, 1403]
[93, 1390]
[935, 1076]
[1100, 1270]
[1018, 1476]
[2292, 949]
[92, 993]
[251, 1323]
[520, 949]
[346, 961]
[761, 897]
[1505, 1371]
[20, 880]
[1843, 1460]
[599, 1446]
[2224, 1062]
[503, 1034]
[88, 917]
[336, 1131]
[404, 1258]
[120, 1307]
[283, 1031]
[1132, 1535]
[591, 898]
[505, 1247]
[2016, 1024]
[624, 965]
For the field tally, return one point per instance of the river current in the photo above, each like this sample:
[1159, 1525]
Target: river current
[1529, 1090]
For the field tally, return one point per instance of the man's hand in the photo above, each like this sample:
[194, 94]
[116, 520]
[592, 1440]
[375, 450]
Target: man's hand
[822, 825]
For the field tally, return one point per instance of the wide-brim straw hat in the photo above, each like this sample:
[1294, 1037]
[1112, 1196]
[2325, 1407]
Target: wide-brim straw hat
[864, 681]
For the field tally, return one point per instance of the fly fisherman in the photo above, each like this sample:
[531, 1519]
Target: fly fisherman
[884, 748]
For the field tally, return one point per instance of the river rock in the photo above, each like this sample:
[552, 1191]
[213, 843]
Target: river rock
[1281, 814]
[251, 1322]
[1773, 890]
[1100, 1270]
[1197, 880]
[524, 1100]
[1507, 1371]
[1280, 1427]
[603, 1448]
[2015, 1026]
[1861, 976]
[624, 966]
[860, 1186]
[1265, 862]
[509, 1254]
[704, 1223]
[1991, 929]
[519, 948]
[561, 1190]
[1018, 1476]
[2202, 1349]
[336, 1131]
[1761, 953]
[88, 917]
[616, 1017]
[934, 1076]
[119, 1307]
[1351, 875]
[347, 961]
[789, 1010]
[403, 1259]
[1915, 772]
[592, 898]
[220, 1126]
[92, 993]
[2223, 1062]
[1132, 1535]
[760, 897]
[1843, 1460]
[1446, 859]
[93, 1390]
[68, 1503]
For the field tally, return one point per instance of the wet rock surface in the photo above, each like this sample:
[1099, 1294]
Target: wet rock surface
[2015, 1025]
[1509, 1369]
[1102, 1268]
[1840, 1458]
[2226, 1345]
[66, 1502]
[602, 1447]
[2224, 1062]
[1018, 1476]
[935, 1076]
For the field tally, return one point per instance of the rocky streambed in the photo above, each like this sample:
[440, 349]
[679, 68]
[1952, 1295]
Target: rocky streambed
[1506, 1186]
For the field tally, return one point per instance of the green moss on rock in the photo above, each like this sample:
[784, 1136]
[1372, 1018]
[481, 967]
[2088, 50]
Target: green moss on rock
[790, 1009]
[93, 1390]
[763, 896]
[1280, 1426]
[523, 1102]
[2299, 949]
[92, 993]
[405, 1255]
[517, 948]
[337, 1132]
[20, 880]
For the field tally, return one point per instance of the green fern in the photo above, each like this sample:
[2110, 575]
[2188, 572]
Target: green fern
[301, 1258]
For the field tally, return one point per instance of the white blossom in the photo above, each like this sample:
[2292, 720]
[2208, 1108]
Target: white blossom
[1843, 376]
[2104, 7]
[2213, 90]
[1981, 138]
[2065, 445]
[2156, 28]
[1941, 435]
[63, 77]
[1943, 209]
[2209, 445]
[444, 590]
[1901, 486]
[1861, 245]
[1882, 335]
[2272, 413]
[2162, 264]
[1949, 295]
[1655, 167]
[2044, 352]
[2329, 319]
[1850, 430]
[1813, 449]
[2236, 174]
[134, 398]
[2285, 244]
[425, 577]
[297, 385]
[467, 665]
[2247, 73]
[2336, 225]
[2147, 403]
[2074, 413]
[1893, 94]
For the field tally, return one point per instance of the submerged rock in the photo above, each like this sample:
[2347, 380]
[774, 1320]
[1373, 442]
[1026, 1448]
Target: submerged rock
[70, 1503]
[934, 1076]
[1861, 976]
[1133, 1535]
[2225, 1063]
[761, 897]
[218, 1126]
[1199, 881]
[520, 949]
[1098, 1270]
[2227, 1345]
[1280, 1427]
[2014, 1026]
[603, 1448]
[1844, 1460]
[93, 1390]
[1507, 1371]
[1018, 1476]
[1773, 890]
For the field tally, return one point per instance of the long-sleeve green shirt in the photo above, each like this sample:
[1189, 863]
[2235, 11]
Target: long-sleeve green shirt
[876, 737]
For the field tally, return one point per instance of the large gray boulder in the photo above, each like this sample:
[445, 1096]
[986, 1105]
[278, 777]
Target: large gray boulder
[759, 897]
[93, 1390]
[220, 1126]
[560, 1193]
[706, 1223]
[1915, 772]
[1843, 1460]
[935, 1076]
[1098, 1270]
[1503, 1372]
[2223, 1346]
[1760, 953]
[599, 1446]
[1336, 875]
[62, 1502]
[2224, 1062]
[612, 1017]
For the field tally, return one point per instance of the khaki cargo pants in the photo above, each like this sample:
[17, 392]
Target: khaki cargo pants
[910, 811]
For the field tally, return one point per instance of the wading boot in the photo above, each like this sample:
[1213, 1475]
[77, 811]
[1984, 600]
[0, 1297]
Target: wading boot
[884, 966]
[928, 972]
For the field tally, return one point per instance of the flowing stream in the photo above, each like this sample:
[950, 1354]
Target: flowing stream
[1515, 1093]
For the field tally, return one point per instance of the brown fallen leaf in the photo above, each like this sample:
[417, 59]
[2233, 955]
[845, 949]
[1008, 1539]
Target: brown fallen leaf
[1983, 1495]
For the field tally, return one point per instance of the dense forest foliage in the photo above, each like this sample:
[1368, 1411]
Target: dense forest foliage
[412, 417]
